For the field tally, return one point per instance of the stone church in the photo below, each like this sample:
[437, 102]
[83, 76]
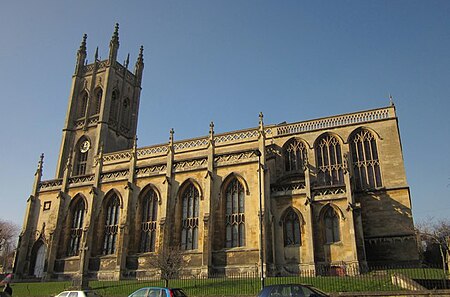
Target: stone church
[292, 197]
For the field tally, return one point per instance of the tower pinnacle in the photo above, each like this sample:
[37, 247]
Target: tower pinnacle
[81, 55]
[114, 45]
[138, 69]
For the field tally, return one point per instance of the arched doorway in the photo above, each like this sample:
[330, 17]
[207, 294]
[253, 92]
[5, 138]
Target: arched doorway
[38, 254]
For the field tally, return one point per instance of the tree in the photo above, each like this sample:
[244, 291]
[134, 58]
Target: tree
[436, 233]
[170, 262]
[8, 239]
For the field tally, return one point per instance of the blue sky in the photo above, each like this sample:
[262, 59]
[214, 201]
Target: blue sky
[225, 61]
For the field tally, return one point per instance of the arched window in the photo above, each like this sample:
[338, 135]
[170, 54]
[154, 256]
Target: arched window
[111, 225]
[291, 228]
[148, 224]
[234, 216]
[76, 228]
[81, 157]
[189, 223]
[366, 166]
[114, 107]
[126, 113]
[82, 104]
[332, 229]
[98, 100]
[294, 155]
[329, 161]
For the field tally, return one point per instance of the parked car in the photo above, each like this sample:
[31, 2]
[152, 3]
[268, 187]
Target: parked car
[78, 294]
[291, 290]
[158, 292]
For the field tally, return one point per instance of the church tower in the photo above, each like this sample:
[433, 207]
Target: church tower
[103, 108]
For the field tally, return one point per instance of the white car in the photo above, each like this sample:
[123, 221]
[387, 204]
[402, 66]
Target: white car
[78, 294]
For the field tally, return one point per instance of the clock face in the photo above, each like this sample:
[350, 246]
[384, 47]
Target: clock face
[84, 147]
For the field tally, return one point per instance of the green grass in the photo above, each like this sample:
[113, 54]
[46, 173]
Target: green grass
[420, 273]
[249, 286]
[39, 289]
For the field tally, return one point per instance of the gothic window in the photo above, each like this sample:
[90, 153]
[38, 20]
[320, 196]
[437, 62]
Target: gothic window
[98, 101]
[114, 107]
[294, 155]
[189, 223]
[329, 161]
[291, 228]
[234, 216]
[148, 223]
[111, 225]
[332, 229]
[126, 113]
[76, 228]
[366, 166]
[82, 104]
[81, 160]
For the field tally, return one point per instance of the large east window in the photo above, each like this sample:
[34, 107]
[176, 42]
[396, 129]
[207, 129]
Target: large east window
[366, 166]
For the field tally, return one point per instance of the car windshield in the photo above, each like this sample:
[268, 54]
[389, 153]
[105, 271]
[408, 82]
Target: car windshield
[293, 290]
[178, 293]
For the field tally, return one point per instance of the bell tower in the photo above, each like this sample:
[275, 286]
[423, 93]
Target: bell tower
[103, 108]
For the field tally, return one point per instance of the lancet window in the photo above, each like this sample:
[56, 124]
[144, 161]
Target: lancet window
[329, 161]
[98, 101]
[82, 104]
[234, 216]
[114, 107]
[332, 228]
[189, 223]
[149, 221]
[291, 228]
[76, 228]
[111, 225]
[366, 166]
[295, 155]
[126, 113]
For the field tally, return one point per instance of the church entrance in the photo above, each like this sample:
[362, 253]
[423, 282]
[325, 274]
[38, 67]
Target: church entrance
[38, 265]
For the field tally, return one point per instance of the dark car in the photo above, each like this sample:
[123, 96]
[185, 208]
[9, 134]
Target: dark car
[158, 292]
[291, 290]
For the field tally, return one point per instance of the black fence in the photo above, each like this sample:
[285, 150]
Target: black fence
[331, 279]
[340, 278]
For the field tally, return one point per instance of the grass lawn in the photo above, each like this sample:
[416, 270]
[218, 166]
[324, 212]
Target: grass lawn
[250, 286]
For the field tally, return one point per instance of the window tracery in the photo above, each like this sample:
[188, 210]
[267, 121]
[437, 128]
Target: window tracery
[329, 161]
[189, 223]
[366, 166]
[111, 225]
[76, 228]
[291, 228]
[234, 216]
[149, 221]
[295, 155]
